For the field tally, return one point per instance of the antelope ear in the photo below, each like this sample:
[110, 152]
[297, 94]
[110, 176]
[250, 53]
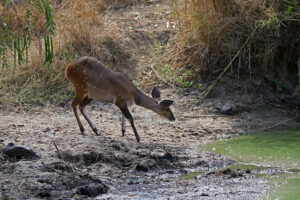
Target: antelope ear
[155, 93]
[166, 103]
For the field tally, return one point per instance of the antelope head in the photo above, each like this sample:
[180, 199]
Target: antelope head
[164, 105]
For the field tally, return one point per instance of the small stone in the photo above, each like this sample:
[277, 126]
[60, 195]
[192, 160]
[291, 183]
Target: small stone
[92, 190]
[17, 140]
[226, 108]
[47, 130]
[44, 194]
[204, 194]
[141, 167]
[130, 182]
[168, 156]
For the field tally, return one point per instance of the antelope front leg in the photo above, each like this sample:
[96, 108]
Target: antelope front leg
[124, 109]
[123, 125]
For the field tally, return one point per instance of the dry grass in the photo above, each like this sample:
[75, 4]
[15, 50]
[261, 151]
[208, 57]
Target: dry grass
[80, 31]
[210, 33]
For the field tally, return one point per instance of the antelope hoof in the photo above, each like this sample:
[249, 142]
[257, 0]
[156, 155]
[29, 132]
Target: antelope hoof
[123, 133]
[83, 132]
[138, 140]
[98, 133]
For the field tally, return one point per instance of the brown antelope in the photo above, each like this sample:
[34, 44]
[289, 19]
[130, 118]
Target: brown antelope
[92, 80]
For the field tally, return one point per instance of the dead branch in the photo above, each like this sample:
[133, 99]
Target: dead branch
[280, 123]
[58, 152]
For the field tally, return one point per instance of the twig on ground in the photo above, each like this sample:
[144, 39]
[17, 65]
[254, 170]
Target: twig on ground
[280, 123]
[58, 152]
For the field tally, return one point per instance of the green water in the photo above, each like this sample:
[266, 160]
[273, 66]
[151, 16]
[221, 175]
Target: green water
[276, 149]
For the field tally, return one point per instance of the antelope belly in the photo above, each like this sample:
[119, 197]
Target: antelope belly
[100, 95]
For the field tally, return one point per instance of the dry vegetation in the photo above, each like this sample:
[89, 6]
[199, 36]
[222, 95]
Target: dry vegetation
[209, 34]
[79, 31]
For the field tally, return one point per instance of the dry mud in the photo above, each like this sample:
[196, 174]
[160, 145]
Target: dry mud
[114, 167]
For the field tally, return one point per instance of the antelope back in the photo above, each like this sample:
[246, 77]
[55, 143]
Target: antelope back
[90, 76]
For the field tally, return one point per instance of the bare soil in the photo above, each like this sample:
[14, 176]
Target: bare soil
[114, 167]
[149, 170]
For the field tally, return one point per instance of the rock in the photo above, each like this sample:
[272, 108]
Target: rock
[18, 152]
[141, 167]
[226, 108]
[168, 156]
[92, 190]
[44, 194]
[46, 130]
[204, 194]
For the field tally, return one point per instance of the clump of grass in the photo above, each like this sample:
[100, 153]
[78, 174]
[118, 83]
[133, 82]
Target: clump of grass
[21, 23]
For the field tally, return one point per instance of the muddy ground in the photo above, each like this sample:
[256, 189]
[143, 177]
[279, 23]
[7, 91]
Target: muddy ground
[114, 167]
[72, 166]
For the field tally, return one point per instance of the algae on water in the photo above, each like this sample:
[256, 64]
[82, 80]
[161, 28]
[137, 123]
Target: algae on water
[278, 148]
[274, 149]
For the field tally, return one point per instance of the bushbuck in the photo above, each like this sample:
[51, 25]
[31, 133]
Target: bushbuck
[92, 80]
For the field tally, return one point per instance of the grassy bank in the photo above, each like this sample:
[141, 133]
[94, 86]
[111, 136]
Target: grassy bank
[41, 37]
[211, 33]
[26, 76]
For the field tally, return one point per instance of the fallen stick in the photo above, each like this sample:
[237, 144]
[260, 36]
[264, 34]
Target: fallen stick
[58, 152]
[280, 123]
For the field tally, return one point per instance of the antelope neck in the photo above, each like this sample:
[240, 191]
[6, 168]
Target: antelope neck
[145, 101]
